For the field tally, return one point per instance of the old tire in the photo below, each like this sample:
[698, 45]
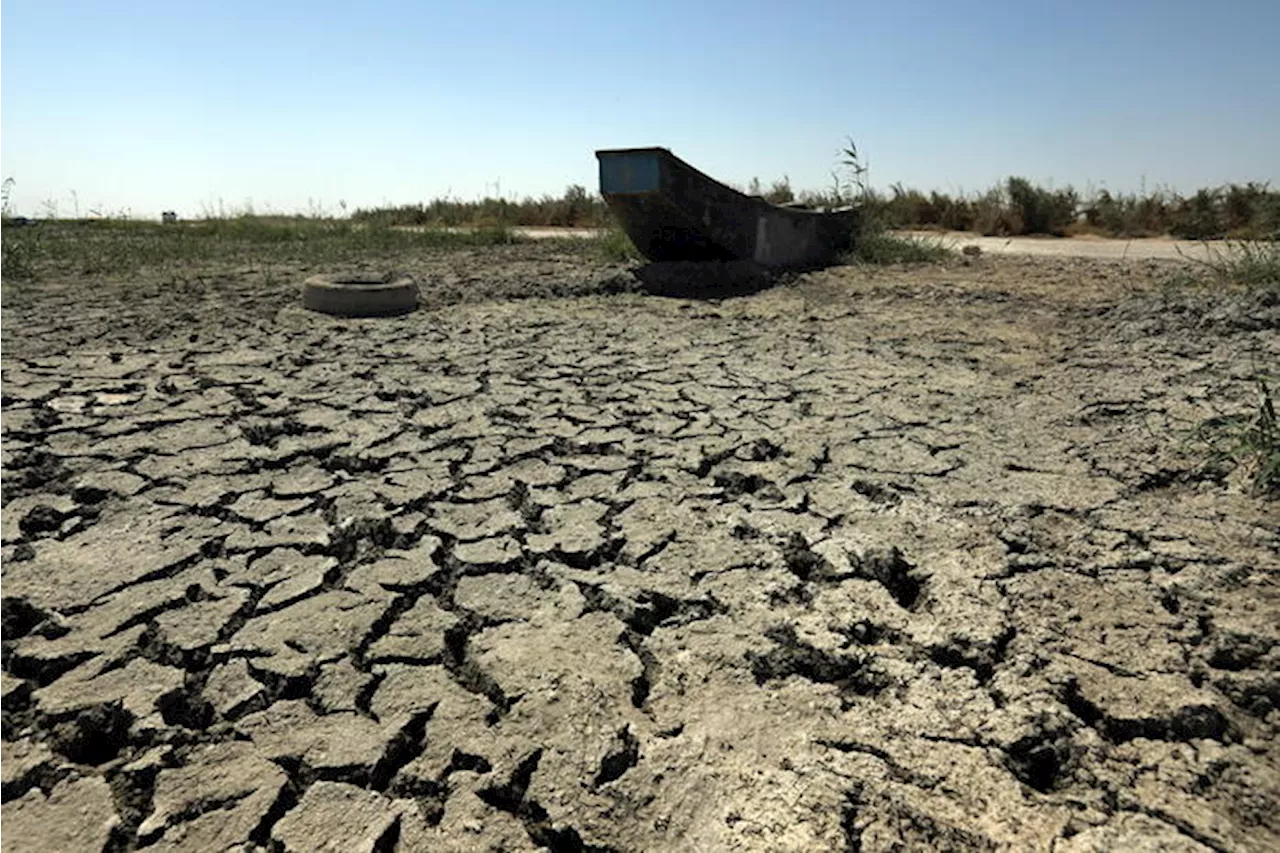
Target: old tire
[360, 296]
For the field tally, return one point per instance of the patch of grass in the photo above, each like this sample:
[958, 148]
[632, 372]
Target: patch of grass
[21, 249]
[1250, 440]
[614, 245]
[871, 243]
[1253, 265]
[121, 247]
[575, 208]
[881, 247]
[16, 255]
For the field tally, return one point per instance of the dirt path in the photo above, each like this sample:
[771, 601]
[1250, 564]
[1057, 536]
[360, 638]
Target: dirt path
[1083, 247]
[1137, 249]
[872, 560]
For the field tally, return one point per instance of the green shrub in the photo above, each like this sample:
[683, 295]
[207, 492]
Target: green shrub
[1252, 264]
[1197, 218]
[21, 248]
[871, 242]
[1248, 439]
[1128, 215]
[613, 244]
[20, 245]
[1017, 206]
[780, 192]
[993, 216]
[575, 208]
[882, 247]
[1041, 211]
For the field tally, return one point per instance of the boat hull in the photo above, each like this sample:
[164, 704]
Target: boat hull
[673, 212]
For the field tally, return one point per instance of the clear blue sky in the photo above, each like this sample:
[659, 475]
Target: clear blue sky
[144, 106]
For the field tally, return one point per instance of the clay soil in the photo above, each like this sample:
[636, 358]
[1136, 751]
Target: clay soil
[868, 560]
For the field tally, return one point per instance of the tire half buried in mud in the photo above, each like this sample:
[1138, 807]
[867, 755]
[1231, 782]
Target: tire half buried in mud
[360, 295]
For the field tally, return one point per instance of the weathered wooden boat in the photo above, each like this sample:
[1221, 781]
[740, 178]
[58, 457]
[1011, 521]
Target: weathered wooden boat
[673, 212]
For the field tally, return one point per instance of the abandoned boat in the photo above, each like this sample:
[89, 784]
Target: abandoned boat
[673, 212]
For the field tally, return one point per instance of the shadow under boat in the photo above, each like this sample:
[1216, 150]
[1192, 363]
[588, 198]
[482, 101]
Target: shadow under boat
[704, 279]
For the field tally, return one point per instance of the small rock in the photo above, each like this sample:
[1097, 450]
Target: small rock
[337, 817]
[77, 815]
[120, 483]
[232, 773]
[21, 764]
[233, 691]
[138, 687]
[417, 635]
[300, 482]
[15, 693]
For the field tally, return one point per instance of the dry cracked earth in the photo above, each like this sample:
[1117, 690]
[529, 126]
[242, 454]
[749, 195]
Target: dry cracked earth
[904, 559]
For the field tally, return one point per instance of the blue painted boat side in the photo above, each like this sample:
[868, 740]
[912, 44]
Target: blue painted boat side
[629, 172]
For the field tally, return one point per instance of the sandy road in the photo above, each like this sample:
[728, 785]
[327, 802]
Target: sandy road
[1074, 247]
[1081, 247]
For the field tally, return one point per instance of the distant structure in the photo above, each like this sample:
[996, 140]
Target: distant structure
[169, 217]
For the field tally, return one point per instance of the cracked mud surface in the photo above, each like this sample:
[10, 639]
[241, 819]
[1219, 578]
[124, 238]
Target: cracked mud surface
[869, 561]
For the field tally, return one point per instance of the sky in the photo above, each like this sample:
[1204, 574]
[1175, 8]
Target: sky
[131, 107]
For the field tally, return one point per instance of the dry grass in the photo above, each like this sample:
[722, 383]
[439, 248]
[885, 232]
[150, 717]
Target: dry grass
[119, 247]
[1249, 440]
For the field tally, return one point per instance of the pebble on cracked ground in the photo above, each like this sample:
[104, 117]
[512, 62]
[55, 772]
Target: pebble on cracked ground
[868, 560]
